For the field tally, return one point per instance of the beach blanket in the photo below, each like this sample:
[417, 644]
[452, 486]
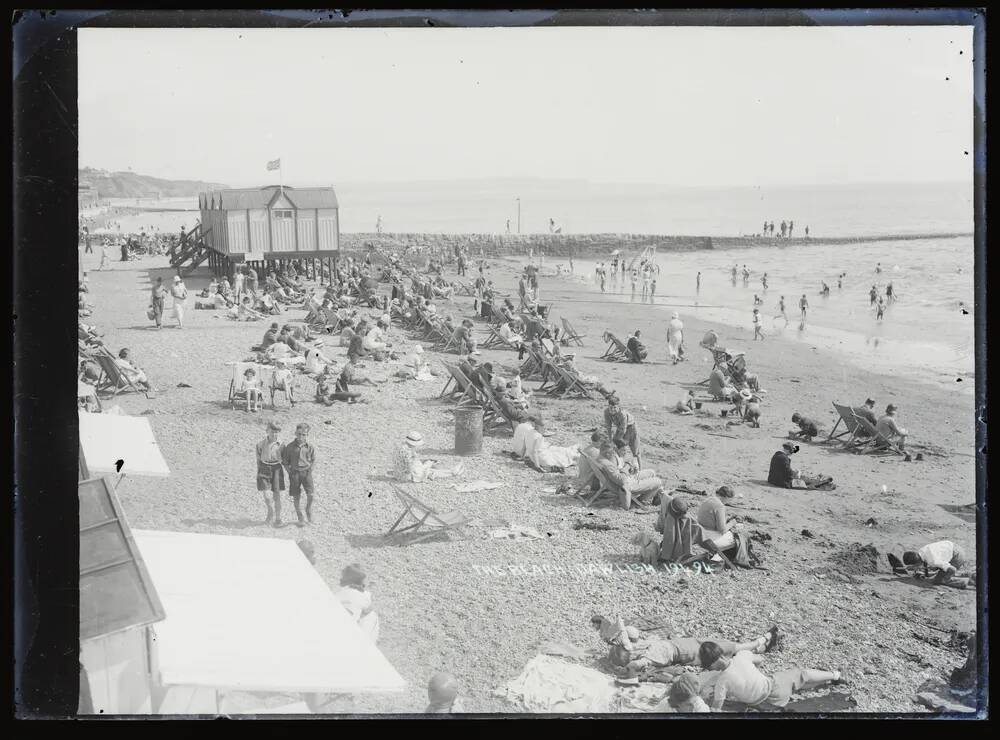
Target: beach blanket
[476, 486]
[551, 685]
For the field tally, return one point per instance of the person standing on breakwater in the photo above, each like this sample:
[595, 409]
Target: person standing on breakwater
[791, 225]
[807, 232]
[803, 306]
[784, 227]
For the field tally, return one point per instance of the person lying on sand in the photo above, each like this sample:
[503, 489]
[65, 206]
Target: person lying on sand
[409, 467]
[634, 653]
[643, 486]
[808, 429]
[741, 681]
[530, 444]
[782, 475]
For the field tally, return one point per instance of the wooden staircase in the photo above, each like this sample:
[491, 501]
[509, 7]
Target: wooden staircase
[190, 251]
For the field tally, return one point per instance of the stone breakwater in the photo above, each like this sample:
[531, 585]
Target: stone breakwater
[591, 245]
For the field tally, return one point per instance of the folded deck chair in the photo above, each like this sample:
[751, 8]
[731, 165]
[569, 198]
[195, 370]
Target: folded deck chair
[570, 334]
[112, 378]
[856, 436]
[879, 441]
[421, 520]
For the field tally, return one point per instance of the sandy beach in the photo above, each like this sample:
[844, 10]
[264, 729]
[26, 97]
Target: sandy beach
[455, 604]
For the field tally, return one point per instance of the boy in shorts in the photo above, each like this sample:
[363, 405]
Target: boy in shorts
[270, 476]
[298, 457]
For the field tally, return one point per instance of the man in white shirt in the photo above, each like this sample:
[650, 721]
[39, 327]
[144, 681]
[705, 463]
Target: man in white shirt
[741, 681]
[945, 556]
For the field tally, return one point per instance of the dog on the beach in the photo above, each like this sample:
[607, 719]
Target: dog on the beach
[649, 547]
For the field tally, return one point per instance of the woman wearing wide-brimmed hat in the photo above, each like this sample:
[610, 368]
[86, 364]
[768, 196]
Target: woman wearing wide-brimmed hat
[409, 467]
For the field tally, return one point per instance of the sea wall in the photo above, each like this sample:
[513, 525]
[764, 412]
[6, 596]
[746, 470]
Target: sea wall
[592, 245]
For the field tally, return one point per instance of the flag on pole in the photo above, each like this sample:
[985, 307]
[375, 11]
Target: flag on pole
[274, 164]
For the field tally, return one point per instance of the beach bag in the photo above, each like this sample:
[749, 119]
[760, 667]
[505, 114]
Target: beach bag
[150, 313]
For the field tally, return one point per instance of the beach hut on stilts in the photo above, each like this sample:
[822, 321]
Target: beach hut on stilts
[265, 228]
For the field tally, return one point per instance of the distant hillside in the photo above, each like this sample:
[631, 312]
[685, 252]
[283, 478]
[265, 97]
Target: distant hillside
[131, 185]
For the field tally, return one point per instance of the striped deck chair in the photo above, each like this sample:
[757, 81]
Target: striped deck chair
[879, 442]
[617, 350]
[419, 516]
[112, 378]
[607, 490]
[533, 366]
[570, 334]
[568, 384]
[494, 413]
[494, 340]
[856, 436]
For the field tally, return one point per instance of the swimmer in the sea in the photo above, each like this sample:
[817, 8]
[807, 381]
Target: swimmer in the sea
[878, 268]
[781, 310]
[697, 283]
[879, 309]
[889, 295]
[873, 295]
[826, 289]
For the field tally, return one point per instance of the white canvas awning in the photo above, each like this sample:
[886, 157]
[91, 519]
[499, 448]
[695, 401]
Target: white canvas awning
[252, 614]
[107, 438]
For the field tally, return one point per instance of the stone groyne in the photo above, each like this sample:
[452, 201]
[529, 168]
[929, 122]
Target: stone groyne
[593, 245]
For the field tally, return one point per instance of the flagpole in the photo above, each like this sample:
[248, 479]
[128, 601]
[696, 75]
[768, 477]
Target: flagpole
[281, 178]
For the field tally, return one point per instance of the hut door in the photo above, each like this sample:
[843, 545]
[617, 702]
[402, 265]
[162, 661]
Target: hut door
[282, 230]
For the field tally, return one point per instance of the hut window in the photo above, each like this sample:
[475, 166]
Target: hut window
[281, 214]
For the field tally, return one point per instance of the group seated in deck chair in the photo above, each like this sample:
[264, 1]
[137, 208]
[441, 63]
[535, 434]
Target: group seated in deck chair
[421, 520]
[618, 481]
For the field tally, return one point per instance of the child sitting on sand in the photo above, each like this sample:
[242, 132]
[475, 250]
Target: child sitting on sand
[685, 405]
[808, 429]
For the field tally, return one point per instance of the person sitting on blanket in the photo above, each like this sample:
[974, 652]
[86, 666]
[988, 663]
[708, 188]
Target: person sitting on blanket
[356, 347]
[643, 486]
[637, 350]
[409, 467]
[442, 695]
[782, 475]
[945, 556]
[530, 444]
[680, 532]
[246, 312]
[417, 367]
[222, 298]
[889, 430]
[712, 518]
[685, 405]
[355, 597]
[131, 371]
[808, 429]
[741, 681]
[633, 652]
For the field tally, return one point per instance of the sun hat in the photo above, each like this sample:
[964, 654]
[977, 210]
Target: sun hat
[414, 439]
[746, 395]
[177, 278]
[678, 506]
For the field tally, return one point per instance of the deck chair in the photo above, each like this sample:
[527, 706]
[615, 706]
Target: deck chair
[463, 389]
[419, 516]
[852, 430]
[607, 488]
[495, 341]
[494, 414]
[569, 384]
[239, 368]
[617, 350]
[879, 443]
[550, 376]
[570, 334]
[533, 366]
[112, 378]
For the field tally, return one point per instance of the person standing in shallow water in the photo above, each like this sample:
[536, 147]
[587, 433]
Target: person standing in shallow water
[803, 306]
[697, 283]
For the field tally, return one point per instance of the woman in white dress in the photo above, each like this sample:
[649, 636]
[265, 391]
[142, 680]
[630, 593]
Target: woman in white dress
[675, 337]
[529, 443]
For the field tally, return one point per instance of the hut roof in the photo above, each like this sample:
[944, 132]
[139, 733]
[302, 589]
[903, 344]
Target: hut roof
[256, 198]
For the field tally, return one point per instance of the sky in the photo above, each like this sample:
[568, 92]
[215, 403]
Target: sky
[695, 106]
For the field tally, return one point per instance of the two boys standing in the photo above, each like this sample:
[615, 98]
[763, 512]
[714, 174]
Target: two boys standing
[273, 458]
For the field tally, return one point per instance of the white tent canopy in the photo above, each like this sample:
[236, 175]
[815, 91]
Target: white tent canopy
[107, 438]
[252, 614]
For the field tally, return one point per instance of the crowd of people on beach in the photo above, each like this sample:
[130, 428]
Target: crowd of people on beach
[371, 307]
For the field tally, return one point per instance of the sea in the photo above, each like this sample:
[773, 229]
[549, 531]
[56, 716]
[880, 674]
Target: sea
[927, 333]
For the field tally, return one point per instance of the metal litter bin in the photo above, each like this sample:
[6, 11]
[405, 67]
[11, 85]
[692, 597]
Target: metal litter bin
[468, 430]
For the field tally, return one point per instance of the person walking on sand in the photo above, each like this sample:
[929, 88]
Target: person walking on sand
[87, 248]
[781, 310]
[652, 289]
[697, 283]
[157, 299]
[600, 276]
[635, 278]
[104, 256]
[270, 476]
[758, 332]
[179, 293]
[735, 269]
[299, 458]
[803, 306]
[675, 338]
